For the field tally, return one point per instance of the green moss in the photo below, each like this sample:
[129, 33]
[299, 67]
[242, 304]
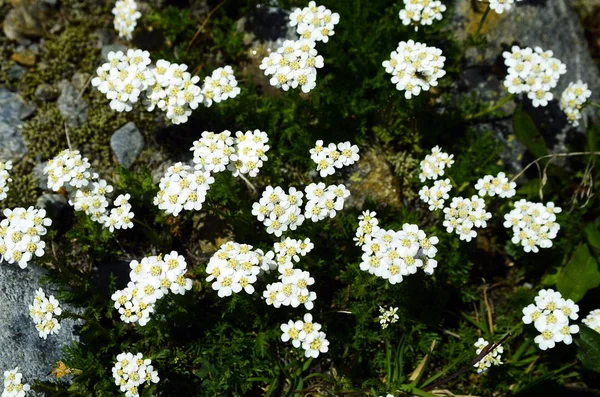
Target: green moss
[23, 191]
[45, 133]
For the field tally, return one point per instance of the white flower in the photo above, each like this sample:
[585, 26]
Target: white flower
[496, 185]
[593, 320]
[492, 358]
[421, 12]
[220, 86]
[333, 156]
[249, 153]
[463, 215]
[533, 224]
[437, 195]
[315, 344]
[13, 384]
[530, 71]
[388, 316]
[42, 313]
[415, 67]
[572, 100]
[126, 16]
[20, 235]
[314, 22]
[131, 371]
[4, 178]
[501, 5]
[434, 164]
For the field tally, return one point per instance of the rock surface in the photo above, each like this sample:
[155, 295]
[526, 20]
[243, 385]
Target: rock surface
[111, 47]
[12, 109]
[127, 143]
[21, 343]
[73, 109]
[26, 19]
[54, 204]
[45, 92]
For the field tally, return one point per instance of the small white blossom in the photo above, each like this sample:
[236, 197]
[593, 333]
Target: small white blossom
[501, 5]
[533, 225]
[314, 22]
[387, 316]
[434, 164]
[220, 86]
[306, 334]
[323, 202]
[333, 156]
[13, 384]
[572, 100]
[593, 320]
[4, 178]
[464, 215]
[20, 235]
[126, 16]
[131, 371]
[421, 12]
[492, 358]
[437, 195]
[496, 186]
[42, 313]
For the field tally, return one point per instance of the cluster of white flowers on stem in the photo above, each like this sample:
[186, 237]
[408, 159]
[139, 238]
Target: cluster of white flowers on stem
[572, 100]
[501, 5]
[415, 67]
[279, 211]
[314, 22]
[498, 185]
[126, 16]
[533, 224]
[333, 156]
[323, 202]
[184, 189]
[434, 164]
[13, 384]
[306, 334]
[437, 195]
[464, 214]
[131, 371]
[42, 313]
[292, 289]
[293, 65]
[533, 72]
[593, 320]
[421, 12]
[492, 358]
[151, 279]
[4, 178]
[88, 193]
[20, 235]
[166, 86]
[391, 254]
[235, 267]
[220, 86]
[550, 315]
[387, 316]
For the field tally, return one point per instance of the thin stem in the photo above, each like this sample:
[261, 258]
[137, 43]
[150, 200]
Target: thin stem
[202, 26]
[499, 104]
[535, 162]
[594, 104]
[485, 14]
[250, 185]
[67, 134]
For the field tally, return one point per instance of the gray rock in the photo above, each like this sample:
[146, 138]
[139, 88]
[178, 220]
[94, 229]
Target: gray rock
[54, 204]
[26, 20]
[79, 80]
[112, 47]
[23, 347]
[127, 143]
[104, 37]
[38, 174]
[267, 24]
[12, 108]
[73, 109]
[45, 92]
[15, 72]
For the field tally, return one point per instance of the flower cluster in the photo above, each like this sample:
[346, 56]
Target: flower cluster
[124, 77]
[307, 334]
[388, 316]
[434, 164]
[323, 202]
[4, 178]
[314, 22]
[293, 65]
[292, 289]
[279, 211]
[333, 156]
[182, 189]
[131, 371]
[501, 5]
[20, 235]
[593, 320]
[550, 315]
[391, 254]
[13, 386]
[151, 279]
[174, 91]
[88, 193]
[42, 313]
[166, 86]
[572, 100]
[415, 67]
[491, 358]
[437, 195]
[533, 224]
[421, 12]
[464, 214]
[496, 185]
[235, 267]
[532, 71]
[126, 16]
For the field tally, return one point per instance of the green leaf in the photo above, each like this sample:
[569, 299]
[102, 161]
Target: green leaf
[580, 274]
[592, 235]
[525, 130]
[589, 348]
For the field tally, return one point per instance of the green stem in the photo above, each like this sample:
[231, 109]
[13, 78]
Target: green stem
[485, 14]
[596, 105]
[498, 105]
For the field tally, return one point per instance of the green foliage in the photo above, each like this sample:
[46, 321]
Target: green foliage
[579, 275]
[589, 348]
